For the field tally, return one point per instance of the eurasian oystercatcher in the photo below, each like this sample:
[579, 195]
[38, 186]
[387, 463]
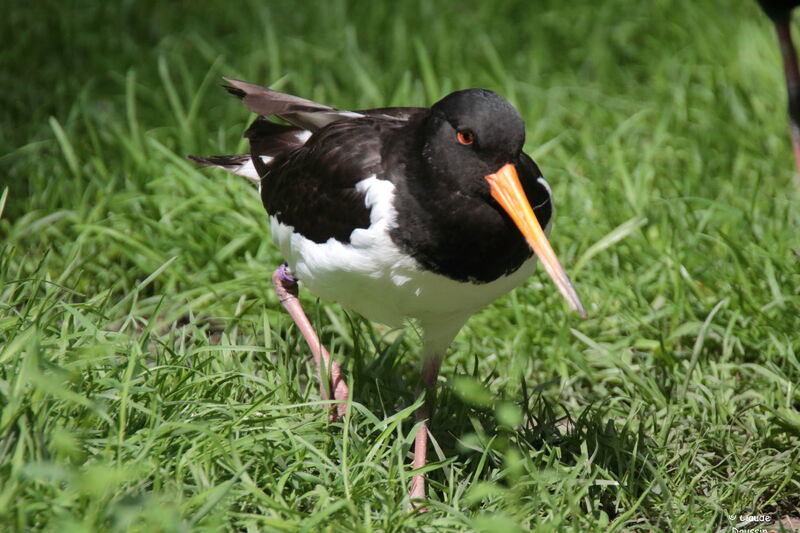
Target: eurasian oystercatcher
[398, 213]
[780, 12]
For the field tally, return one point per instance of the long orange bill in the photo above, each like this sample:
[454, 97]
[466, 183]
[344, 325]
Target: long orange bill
[507, 190]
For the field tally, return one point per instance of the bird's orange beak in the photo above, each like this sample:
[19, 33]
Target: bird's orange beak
[507, 190]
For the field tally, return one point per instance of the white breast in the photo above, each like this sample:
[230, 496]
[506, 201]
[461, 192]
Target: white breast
[371, 276]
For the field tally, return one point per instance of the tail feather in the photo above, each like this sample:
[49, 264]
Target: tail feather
[268, 102]
[303, 113]
[241, 165]
[238, 93]
[268, 139]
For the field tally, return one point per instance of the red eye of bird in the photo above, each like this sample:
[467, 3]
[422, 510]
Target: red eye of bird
[465, 137]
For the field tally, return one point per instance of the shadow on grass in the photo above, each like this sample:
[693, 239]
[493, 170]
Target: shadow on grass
[616, 465]
[613, 464]
[594, 445]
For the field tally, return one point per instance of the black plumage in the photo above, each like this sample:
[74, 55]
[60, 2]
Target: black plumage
[313, 188]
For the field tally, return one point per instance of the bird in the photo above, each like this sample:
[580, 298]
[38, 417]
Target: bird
[423, 214]
[780, 12]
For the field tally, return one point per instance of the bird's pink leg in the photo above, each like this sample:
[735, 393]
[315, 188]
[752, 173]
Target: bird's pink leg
[286, 288]
[430, 371]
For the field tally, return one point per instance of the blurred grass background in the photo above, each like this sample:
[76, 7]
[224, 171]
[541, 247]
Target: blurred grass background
[149, 380]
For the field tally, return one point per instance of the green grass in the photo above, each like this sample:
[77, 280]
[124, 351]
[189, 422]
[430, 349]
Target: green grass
[149, 380]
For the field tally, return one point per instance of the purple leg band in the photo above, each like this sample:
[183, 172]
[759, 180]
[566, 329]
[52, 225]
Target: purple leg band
[285, 276]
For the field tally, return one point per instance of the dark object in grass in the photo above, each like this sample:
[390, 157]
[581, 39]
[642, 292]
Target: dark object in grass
[780, 11]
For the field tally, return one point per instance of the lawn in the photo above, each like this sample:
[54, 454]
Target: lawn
[150, 380]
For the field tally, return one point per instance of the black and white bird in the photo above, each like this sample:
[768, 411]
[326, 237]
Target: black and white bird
[406, 213]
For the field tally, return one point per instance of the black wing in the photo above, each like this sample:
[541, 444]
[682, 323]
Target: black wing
[313, 188]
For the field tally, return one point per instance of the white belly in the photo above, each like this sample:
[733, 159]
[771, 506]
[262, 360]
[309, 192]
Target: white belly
[372, 277]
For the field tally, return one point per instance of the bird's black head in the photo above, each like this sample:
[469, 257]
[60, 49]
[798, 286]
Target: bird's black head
[471, 155]
[470, 134]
